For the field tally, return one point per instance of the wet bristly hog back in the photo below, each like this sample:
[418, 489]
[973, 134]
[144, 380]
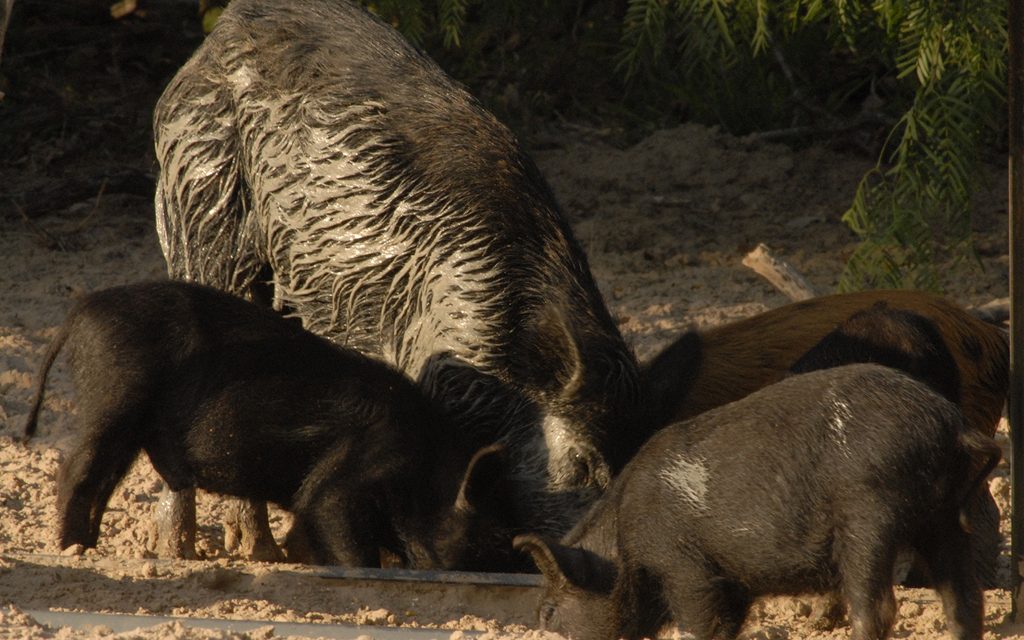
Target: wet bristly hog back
[813, 484]
[308, 147]
[232, 398]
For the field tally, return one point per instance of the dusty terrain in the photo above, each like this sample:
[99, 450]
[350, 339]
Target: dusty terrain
[665, 223]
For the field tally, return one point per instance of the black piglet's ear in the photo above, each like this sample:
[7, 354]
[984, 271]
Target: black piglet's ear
[485, 484]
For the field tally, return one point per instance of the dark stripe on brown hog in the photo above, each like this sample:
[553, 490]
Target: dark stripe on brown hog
[705, 369]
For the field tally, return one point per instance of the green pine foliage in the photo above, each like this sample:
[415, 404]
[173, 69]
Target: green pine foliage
[941, 65]
[915, 206]
[930, 72]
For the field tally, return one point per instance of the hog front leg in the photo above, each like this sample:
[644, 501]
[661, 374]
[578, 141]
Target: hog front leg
[173, 530]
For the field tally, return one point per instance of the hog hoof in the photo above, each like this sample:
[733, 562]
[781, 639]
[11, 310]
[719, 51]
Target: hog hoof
[297, 548]
[247, 532]
[390, 560]
[829, 612]
[73, 550]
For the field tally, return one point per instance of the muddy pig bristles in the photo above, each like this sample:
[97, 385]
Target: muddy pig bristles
[813, 484]
[307, 144]
[235, 399]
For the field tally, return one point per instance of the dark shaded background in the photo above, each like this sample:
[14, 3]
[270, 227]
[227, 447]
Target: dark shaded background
[75, 123]
[80, 87]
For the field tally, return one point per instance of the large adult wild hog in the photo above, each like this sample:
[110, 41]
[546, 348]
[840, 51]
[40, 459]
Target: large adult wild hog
[308, 147]
[813, 484]
[232, 398]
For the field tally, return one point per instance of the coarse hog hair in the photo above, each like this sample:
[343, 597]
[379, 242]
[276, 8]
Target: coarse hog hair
[230, 397]
[813, 484]
[310, 156]
[704, 369]
[960, 356]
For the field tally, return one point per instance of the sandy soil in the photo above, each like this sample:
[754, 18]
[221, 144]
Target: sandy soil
[665, 224]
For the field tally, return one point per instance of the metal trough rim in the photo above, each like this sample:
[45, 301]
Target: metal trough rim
[506, 587]
[330, 572]
[122, 622]
[443, 577]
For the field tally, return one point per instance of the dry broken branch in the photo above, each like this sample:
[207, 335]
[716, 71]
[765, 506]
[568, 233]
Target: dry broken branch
[780, 273]
[994, 312]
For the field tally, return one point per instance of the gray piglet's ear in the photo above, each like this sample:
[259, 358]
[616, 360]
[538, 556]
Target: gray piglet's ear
[542, 555]
[559, 564]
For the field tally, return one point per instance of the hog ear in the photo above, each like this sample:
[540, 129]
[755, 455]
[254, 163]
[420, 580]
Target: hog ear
[546, 355]
[484, 486]
[560, 564]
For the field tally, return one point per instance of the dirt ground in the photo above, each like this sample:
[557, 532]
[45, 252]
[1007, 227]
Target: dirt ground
[665, 223]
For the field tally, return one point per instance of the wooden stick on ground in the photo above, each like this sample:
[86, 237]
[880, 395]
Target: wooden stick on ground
[780, 273]
[994, 312]
[793, 285]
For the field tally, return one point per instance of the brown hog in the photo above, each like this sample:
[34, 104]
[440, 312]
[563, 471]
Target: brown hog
[706, 369]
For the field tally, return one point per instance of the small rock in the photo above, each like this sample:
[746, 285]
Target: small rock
[73, 550]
